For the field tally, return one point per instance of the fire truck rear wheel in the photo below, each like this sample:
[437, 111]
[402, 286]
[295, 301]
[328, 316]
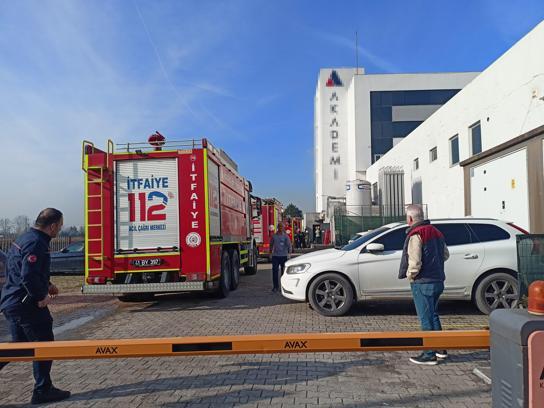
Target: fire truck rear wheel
[252, 269]
[235, 264]
[226, 274]
[136, 297]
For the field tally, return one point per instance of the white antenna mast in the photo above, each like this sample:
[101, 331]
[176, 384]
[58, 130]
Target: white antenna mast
[356, 53]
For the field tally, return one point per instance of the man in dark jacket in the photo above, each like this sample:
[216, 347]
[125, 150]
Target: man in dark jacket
[28, 291]
[422, 263]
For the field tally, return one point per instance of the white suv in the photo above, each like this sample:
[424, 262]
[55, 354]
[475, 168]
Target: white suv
[482, 267]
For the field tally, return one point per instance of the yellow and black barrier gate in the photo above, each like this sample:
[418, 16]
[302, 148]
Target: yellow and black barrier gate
[247, 344]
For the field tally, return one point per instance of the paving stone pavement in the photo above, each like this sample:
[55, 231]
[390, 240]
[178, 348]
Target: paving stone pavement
[278, 380]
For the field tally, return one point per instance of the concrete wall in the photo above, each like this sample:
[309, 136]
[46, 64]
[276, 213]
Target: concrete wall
[507, 99]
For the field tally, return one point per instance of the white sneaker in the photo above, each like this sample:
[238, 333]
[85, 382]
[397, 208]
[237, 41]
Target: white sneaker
[424, 360]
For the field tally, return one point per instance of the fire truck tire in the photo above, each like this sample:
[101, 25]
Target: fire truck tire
[235, 265]
[252, 269]
[226, 274]
[136, 297]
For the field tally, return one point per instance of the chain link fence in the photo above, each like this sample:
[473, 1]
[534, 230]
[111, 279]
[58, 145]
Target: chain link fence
[530, 249]
[56, 244]
[349, 220]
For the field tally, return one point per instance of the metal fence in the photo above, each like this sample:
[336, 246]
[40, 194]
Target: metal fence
[349, 221]
[530, 249]
[56, 243]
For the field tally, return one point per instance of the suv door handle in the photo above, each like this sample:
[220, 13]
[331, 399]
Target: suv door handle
[471, 256]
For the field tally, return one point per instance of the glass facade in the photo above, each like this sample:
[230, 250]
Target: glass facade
[384, 129]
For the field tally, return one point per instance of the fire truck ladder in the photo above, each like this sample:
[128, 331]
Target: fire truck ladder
[97, 177]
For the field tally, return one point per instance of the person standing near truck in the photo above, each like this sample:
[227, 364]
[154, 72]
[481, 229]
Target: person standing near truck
[280, 248]
[28, 291]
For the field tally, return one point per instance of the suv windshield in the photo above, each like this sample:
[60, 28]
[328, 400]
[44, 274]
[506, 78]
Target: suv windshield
[364, 238]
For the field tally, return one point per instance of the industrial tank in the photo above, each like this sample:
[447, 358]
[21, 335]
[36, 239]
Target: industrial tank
[358, 197]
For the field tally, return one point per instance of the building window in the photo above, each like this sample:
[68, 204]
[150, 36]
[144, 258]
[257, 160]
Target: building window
[475, 139]
[377, 157]
[454, 150]
[433, 154]
[416, 163]
[375, 193]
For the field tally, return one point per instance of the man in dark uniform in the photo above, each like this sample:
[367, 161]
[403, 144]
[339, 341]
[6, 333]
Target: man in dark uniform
[26, 294]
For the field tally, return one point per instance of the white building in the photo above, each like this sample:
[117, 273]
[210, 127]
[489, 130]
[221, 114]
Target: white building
[481, 154]
[359, 117]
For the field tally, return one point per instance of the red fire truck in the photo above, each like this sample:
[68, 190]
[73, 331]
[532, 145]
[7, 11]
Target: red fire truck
[293, 226]
[264, 226]
[170, 217]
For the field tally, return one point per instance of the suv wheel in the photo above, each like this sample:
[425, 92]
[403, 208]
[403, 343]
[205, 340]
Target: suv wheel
[497, 291]
[331, 295]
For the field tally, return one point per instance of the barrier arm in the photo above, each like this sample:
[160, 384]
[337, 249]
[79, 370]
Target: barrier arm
[246, 344]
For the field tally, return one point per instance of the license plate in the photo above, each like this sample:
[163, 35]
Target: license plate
[147, 262]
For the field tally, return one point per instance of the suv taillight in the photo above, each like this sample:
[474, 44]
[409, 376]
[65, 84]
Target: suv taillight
[518, 228]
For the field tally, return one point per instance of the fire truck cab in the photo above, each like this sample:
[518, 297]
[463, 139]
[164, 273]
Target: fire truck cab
[165, 217]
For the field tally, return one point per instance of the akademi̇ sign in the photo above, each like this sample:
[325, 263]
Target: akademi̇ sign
[334, 127]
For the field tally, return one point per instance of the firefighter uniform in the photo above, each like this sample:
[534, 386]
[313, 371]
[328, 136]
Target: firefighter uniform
[27, 283]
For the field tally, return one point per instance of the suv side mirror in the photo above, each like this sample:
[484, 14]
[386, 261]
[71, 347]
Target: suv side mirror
[375, 248]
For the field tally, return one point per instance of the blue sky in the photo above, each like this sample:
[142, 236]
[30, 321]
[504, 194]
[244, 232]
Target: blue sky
[240, 72]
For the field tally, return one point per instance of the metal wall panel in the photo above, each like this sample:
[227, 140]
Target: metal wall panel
[499, 189]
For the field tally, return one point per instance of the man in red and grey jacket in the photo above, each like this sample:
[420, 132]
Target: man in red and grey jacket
[422, 262]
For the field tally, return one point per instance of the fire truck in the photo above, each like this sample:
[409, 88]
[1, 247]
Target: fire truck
[264, 226]
[165, 217]
[293, 226]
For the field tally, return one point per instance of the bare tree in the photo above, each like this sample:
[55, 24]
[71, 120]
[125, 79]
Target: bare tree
[21, 223]
[6, 226]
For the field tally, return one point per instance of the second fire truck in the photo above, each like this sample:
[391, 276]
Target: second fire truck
[265, 225]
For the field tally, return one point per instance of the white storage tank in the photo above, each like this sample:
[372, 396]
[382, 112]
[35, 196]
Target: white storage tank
[358, 197]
